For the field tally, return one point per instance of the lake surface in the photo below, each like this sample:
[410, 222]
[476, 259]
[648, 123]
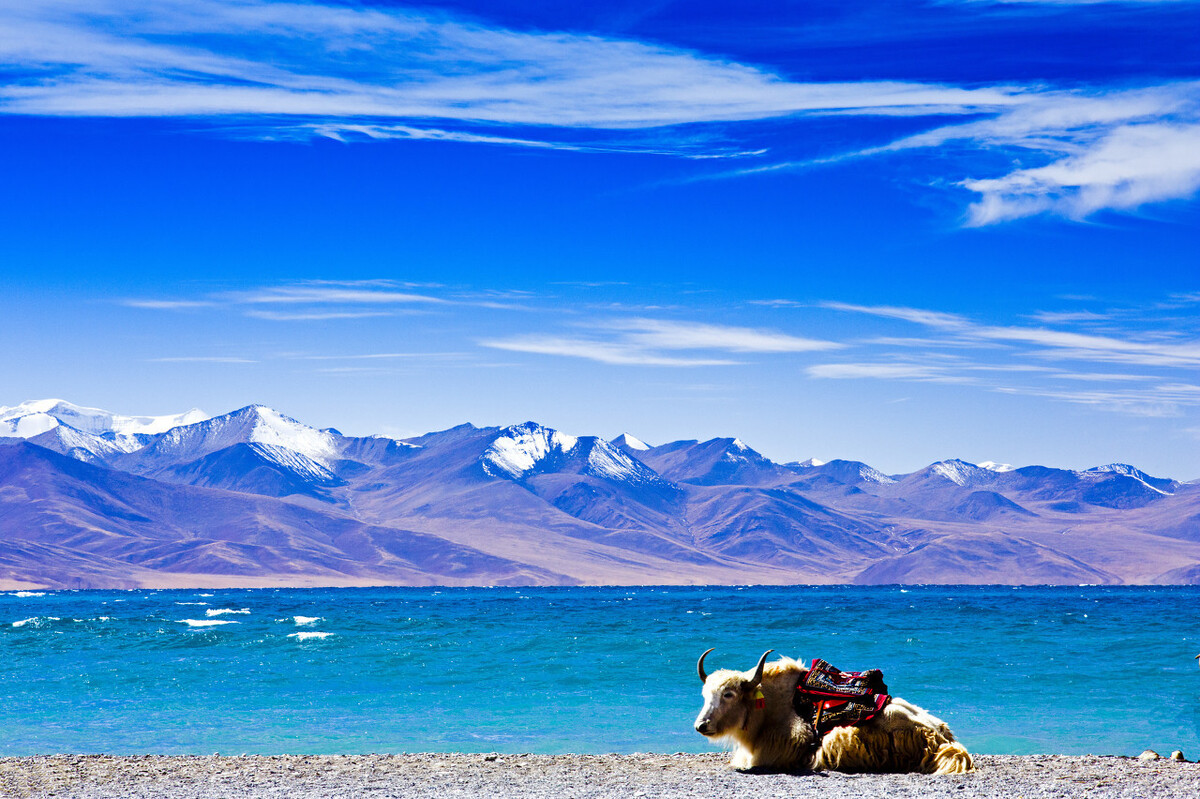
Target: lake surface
[1012, 670]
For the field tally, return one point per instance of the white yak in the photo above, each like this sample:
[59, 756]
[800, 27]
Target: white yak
[766, 731]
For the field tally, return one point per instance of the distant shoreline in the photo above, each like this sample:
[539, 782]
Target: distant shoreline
[669, 776]
[16, 587]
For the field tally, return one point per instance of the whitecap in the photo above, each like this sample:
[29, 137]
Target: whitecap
[191, 603]
[307, 636]
[302, 621]
[36, 621]
[224, 611]
[28, 593]
[203, 622]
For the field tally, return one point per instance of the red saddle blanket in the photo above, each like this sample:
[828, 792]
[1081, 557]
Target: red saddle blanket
[832, 698]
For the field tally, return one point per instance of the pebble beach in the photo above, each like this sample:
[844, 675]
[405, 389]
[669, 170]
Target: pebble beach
[658, 776]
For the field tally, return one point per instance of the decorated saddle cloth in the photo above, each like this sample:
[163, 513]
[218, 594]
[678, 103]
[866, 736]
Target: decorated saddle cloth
[832, 698]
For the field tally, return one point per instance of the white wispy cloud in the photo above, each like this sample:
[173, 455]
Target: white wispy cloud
[167, 305]
[349, 132]
[1100, 148]
[1130, 166]
[385, 356]
[611, 352]
[319, 294]
[886, 371]
[1164, 348]
[776, 303]
[647, 342]
[1101, 377]
[202, 359]
[309, 301]
[1104, 149]
[1066, 317]
[672, 335]
[171, 58]
[1156, 403]
[917, 315]
[1037, 361]
[287, 69]
[312, 316]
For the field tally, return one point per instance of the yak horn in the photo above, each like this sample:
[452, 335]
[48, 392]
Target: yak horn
[700, 666]
[761, 662]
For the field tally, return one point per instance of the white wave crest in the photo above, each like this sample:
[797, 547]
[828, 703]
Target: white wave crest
[28, 593]
[302, 621]
[36, 621]
[204, 622]
[224, 611]
[307, 635]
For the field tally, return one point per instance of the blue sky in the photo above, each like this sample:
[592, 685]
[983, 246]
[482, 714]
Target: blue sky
[896, 232]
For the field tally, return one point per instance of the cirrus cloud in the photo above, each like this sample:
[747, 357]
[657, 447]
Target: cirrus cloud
[304, 69]
[648, 342]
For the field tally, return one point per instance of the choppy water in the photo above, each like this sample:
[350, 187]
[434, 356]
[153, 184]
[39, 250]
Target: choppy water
[1012, 670]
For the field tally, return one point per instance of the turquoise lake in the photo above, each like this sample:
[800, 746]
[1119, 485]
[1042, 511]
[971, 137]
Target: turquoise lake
[548, 670]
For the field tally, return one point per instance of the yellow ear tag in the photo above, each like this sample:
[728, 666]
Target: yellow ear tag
[760, 701]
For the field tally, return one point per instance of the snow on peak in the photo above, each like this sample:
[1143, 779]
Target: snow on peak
[992, 466]
[957, 471]
[1128, 471]
[296, 462]
[274, 429]
[255, 424]
[811, 462]
[736, 451]
[626, 440]
[37, 416]
[85, 446]
[873, 475]
[520, 448]
[26, 425]
[607, 461]
[1120, 468]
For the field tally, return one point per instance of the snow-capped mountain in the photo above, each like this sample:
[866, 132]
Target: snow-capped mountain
[843, 472]
[718, 461]
[257, 494]
[254, 424]
[961, 473]
[267, 438]
[85, 446]
[125, 432]
[1156, 483]
[599, 458]
[529, 448]
[524, 448]
[626, 441]
[807, 463]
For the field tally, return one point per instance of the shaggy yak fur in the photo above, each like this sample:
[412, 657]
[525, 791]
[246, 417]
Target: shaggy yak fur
[902, 738]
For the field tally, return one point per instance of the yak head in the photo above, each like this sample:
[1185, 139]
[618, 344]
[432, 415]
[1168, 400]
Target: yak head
[728, 698]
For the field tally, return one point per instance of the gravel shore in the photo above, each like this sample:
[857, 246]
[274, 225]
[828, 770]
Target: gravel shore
[542, 777]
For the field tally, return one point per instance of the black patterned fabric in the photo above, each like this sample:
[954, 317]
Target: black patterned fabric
[832, 698]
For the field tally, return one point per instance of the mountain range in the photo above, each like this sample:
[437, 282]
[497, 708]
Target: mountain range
[92, 499]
